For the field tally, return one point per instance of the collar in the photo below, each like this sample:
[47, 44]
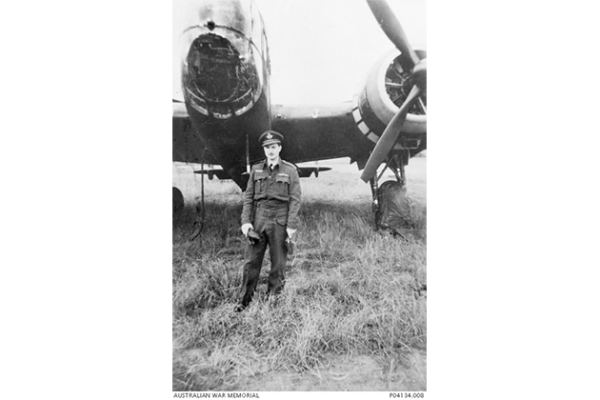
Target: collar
[272, 165]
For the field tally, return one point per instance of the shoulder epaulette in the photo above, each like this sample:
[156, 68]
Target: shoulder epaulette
[290, 165]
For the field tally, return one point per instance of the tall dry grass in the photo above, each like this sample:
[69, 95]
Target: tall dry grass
[349, 291]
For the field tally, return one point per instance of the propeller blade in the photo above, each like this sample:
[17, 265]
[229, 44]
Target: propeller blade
[393, 30]
[422, 106]
[389, 136]
[419, 74]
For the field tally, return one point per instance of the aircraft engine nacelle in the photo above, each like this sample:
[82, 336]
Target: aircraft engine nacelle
[385, 89]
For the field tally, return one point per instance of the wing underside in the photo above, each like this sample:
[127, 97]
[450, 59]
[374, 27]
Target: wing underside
[314, 133]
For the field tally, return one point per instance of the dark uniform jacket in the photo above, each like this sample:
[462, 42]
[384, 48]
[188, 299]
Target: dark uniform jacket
[280, 186]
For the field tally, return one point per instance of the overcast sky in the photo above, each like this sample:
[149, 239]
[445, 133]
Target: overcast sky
[321, 49]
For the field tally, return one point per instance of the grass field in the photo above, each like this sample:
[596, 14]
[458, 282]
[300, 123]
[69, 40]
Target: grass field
[352, 315]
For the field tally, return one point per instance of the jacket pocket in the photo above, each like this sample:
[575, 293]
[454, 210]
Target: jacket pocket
[259, 185]
[282, 183]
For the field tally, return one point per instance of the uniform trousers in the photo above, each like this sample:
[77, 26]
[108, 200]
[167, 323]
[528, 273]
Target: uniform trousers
[270, 222]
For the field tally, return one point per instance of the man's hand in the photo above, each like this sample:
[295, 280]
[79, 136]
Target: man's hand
[290, 232]
[246, 228]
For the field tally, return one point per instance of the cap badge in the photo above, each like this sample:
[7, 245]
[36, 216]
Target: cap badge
[269, 135]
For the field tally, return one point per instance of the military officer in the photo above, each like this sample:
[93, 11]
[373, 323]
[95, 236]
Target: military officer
[271, 205]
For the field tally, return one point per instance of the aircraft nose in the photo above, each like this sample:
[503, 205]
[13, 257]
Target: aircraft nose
[219, 78]
[214, 68]
[223, 70]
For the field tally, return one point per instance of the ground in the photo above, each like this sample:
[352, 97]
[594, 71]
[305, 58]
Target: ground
[349, 373]
[334, 371]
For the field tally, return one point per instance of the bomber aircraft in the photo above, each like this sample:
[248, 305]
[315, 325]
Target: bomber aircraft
[225, 77]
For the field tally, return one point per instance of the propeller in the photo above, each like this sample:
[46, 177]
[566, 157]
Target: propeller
[393, 30]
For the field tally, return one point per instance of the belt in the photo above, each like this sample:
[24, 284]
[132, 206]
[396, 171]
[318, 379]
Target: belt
[271, 204]
[271, 209]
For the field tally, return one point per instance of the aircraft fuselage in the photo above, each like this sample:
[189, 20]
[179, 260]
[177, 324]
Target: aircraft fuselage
[225, 78]
[225, 69]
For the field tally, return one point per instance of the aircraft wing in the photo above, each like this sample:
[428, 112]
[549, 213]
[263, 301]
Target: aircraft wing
[187, 146]
[320, 132]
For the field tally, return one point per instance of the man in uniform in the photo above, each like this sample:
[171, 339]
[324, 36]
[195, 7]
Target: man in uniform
[271, 205]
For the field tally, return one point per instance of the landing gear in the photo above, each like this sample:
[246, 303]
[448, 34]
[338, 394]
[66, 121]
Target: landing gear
[376, 202]
[176, 201]
[391, 206]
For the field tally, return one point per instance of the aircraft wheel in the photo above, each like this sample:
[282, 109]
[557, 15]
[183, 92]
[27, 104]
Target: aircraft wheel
[177, 200]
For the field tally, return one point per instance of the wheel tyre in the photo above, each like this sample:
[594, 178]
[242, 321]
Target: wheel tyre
[177, 200]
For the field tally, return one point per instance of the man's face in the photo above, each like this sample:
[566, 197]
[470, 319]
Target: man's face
[272, 151]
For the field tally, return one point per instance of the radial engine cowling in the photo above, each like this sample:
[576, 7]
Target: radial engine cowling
[385, 89]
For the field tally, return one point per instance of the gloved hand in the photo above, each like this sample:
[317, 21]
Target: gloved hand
[246, 228]
[290, 232]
